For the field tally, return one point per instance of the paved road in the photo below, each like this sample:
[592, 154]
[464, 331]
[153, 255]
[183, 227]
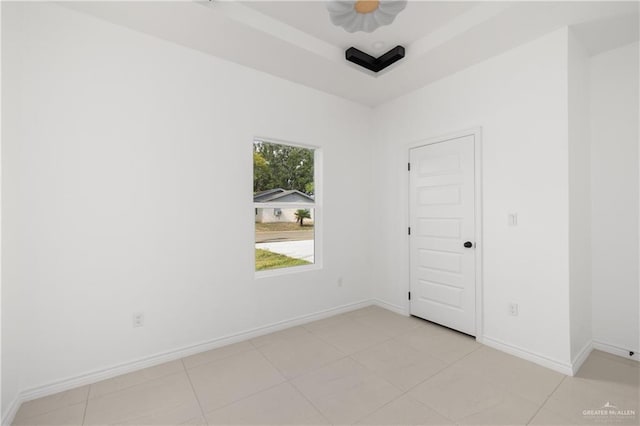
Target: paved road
[296, 249]
[273, 236]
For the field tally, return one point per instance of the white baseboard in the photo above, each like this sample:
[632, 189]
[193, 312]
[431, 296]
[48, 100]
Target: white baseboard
[160, 358]
[615, 350]
[582, 356]
[391, 307]
[560, 367]
[11, 412]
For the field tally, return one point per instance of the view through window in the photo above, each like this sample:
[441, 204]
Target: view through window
[284, 205]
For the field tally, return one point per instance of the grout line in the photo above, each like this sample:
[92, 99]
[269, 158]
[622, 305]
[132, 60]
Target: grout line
[86, 404]
[285, 380]
[359, 350]
[247, 396]
[433, 409]
[251, 394]
[446, 366]
[290, 381]
[309, 401]
[545, 400]
[210, 361]
[406, 393]
[463, 357]
[426, 380]
[342, 351]
[195, 394]
[379, 408]
[52, 409]
[345, 356]
[253, 345]
[272, 365]
[402, 393]
[132, 385]
[330, 344]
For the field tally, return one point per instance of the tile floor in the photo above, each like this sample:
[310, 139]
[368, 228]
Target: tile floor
[369, 366]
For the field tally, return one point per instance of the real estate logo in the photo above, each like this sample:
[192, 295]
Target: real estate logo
[609, 412]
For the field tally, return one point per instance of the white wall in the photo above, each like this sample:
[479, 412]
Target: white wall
[614, 165]
[520, 100]
[127, 176]
[579, 201]
[1, 84]
[117, 147]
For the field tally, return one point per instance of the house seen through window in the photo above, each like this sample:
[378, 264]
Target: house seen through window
[284, 205]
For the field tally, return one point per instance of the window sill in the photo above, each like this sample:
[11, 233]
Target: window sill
[287, 271]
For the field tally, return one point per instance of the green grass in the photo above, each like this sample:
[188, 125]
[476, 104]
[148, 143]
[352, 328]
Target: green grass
[269, 260]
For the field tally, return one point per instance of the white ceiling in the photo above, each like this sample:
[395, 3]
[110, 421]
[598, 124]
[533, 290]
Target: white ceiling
[295, 39]
[417, 20]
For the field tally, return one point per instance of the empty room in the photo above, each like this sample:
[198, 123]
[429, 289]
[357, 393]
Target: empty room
[389, 212]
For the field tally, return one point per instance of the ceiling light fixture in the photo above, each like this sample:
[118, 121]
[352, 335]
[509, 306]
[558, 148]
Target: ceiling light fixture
[374, 64]
[364, 15]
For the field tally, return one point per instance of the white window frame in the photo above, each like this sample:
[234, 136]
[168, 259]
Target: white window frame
[317, 206]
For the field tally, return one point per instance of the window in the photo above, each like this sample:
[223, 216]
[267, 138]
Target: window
[284, 201]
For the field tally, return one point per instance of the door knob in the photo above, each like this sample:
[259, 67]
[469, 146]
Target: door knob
[468, 244]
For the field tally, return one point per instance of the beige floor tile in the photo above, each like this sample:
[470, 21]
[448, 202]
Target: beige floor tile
[166, 417]
[217, 354]
[70, 415]
[225, 381]
[372, 309]
[135, 378]
[300, 354]
[279, 336]
[518, 376]
[440, 342]
[196, 421]
[577, 395]
[590, 410]
[405, 411]
[167, 400]
[399, 363]
[345, 391]
[328, 322]
[52, 403]
[353, 367]
[279, 405]
[626, 361]
[610, 371]
[547, 417]
[389, 322]
[351, 337]
[603, 381]
[457, 394]
[511, 410]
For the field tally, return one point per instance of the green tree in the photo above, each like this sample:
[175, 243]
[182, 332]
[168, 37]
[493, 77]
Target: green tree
[261, 172]
[309, 188]
[301, 215]
[287, 167]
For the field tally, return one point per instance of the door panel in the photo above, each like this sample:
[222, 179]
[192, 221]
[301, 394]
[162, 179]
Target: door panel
[439, 228]
[442, 218]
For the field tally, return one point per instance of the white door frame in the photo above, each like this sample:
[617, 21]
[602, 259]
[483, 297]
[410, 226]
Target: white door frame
[476, 132]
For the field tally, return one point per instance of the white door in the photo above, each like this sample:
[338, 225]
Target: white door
[442, 245]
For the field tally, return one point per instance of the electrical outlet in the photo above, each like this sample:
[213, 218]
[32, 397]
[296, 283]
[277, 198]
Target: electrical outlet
[513, 309]
[138, 320]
